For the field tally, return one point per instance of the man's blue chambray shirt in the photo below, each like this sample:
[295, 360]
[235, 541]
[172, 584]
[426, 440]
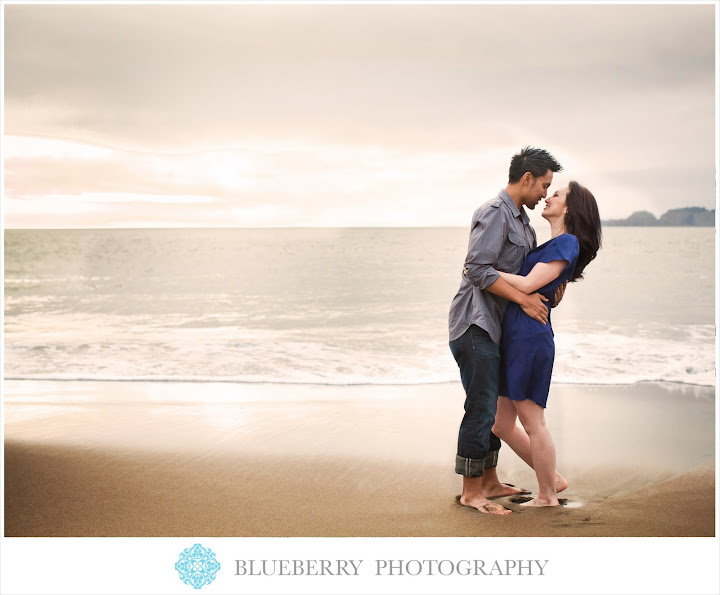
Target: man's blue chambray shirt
[500, 238]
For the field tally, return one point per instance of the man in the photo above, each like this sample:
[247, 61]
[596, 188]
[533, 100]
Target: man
[500, 238]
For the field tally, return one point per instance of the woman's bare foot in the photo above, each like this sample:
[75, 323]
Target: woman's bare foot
[539, 502]
[560, 483]
[483, 505]
[496, 489]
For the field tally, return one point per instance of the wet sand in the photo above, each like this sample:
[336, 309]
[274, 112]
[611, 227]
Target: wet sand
[152, 459]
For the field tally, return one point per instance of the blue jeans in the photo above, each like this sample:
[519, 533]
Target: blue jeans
[478, 358]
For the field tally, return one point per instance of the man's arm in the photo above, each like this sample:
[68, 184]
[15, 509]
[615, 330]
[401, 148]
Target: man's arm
[532, 304]
[486, 242]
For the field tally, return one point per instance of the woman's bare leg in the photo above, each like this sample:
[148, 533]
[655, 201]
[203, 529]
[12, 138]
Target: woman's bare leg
[507, 429]
[509, 432]
[532, 417]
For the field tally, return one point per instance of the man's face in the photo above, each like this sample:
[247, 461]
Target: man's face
[536, 189]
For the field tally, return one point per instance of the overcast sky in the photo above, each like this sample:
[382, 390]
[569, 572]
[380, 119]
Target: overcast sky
[282, 115]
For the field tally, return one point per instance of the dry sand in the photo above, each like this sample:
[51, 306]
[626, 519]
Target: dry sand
[142, 459]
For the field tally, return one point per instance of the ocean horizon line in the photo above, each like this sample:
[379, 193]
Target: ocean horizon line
[153, 228]
[304, 227]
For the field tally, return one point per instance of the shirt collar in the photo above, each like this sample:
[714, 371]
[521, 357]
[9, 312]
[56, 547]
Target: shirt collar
[513, 207]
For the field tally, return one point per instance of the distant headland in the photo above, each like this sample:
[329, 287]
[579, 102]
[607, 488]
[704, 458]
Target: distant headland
[688, 216]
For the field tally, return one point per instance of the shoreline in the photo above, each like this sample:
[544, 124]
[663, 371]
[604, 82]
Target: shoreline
[212, 380]
[134, 459]
[75, 492]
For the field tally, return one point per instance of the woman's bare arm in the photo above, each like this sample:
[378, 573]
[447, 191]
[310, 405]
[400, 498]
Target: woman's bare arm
[540, 275]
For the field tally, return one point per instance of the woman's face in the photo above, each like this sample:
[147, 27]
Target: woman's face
[555, 205]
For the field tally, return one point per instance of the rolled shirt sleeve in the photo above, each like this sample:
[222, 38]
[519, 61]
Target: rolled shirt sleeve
[500, 238]
[486, 241]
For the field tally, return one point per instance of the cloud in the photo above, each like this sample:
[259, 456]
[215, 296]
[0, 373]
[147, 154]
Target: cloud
[275, 186]
[304, 107]
[199, 75]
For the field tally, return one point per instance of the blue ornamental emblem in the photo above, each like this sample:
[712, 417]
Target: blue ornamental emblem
[197, 566]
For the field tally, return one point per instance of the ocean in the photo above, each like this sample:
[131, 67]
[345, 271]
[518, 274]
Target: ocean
[343, 306]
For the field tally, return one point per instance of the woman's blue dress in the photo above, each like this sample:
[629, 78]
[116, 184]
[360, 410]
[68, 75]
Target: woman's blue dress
[528, 348]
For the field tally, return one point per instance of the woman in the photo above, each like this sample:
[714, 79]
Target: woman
[528, 349]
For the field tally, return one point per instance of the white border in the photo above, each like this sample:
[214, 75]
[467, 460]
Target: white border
[576, 565]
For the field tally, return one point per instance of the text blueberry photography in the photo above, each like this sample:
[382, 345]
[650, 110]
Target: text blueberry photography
[197, 566]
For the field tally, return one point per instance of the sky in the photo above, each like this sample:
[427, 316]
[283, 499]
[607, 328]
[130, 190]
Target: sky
[347, 115]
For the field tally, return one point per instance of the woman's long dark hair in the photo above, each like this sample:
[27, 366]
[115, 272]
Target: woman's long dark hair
[583, 221]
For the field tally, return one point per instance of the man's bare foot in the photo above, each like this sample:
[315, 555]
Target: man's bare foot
[483, 505]
[560, 483]
[500, 490]
[539, 502]
[491, 487]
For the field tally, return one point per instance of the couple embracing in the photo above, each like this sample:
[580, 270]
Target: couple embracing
[500, 331]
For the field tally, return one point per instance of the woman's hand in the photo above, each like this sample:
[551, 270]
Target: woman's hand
[559, 294]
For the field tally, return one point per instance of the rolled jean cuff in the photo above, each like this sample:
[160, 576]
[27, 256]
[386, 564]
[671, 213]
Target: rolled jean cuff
[469, 467]
[491, 460]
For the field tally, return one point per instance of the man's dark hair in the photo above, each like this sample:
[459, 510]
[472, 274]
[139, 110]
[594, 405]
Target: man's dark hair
[536, 161]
